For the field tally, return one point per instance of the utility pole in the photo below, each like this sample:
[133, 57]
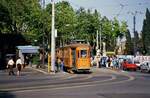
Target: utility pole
[97, 44]
[134, 28]
[53, 38]
[134, 23]
[100, 38]
[43, 50]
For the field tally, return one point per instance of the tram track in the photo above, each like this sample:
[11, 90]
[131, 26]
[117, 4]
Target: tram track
[76, 82]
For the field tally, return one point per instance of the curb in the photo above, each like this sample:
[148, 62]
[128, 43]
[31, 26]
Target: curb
[39, 70]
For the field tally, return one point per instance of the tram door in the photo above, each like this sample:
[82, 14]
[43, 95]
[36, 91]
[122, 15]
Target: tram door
[74, 57]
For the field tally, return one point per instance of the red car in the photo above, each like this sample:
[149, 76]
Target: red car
[127, 65]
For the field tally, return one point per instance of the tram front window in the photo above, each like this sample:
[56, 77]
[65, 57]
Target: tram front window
[83, 53]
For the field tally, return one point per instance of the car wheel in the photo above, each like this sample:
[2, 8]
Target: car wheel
[139, 68]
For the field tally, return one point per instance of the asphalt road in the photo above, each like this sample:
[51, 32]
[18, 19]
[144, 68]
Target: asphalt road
[101, 83]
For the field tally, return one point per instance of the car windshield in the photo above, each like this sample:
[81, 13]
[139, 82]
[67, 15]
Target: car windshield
[136, 62]
[147, 63]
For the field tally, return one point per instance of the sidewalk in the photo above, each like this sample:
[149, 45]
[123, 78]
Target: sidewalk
[93, 70]
[105, 70]
[45, 70]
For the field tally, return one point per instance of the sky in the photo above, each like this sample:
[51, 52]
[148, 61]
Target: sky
[121, 9]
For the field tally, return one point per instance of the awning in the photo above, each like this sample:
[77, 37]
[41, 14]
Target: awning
[28, 49]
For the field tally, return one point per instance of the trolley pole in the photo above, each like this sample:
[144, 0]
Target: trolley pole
[53, 38]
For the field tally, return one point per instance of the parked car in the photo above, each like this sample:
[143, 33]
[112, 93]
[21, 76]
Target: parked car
[127, 64]
[145, 66]
[138, 64]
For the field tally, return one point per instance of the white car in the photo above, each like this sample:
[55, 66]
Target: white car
[145, 66]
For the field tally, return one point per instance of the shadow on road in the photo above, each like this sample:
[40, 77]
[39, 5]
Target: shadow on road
[83, 72]
[6, 94]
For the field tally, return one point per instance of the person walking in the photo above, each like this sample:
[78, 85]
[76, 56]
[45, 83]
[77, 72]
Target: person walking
[10, 66]
[19, 66]
[109, 61]
[59, 64]
[41, 57]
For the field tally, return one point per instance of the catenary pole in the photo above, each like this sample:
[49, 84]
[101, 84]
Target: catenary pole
[97, 44]
[43, 50]
[100, 39]
[53, 38]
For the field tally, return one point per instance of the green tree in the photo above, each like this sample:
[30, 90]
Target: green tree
[136, 41]
[129, 43]
[111, 30]
[5, 19]
[65, 21]
[34, 19]
[146, 33]
[108, 34]
[30, 19]
[88, 24]
[22, 16]
[13, 11]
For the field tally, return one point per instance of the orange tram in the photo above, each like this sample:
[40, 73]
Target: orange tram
[76, 57]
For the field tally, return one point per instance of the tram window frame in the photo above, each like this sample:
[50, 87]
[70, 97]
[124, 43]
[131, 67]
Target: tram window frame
[78, 52]
[83, 53]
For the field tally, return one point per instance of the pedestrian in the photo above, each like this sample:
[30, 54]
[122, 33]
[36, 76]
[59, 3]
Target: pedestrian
[62, 64]
[10, 66]
[19, 65]
[41, 60]
[109, 61]
[59, 64]
[102, 62]
[114, 62]
[56, 65]
[26, 61]
[97, 60]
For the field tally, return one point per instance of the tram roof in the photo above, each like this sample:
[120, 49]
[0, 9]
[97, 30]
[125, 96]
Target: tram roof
[76, 45]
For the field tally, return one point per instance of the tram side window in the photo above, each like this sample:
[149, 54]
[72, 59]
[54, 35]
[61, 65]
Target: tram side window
[83, 53]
